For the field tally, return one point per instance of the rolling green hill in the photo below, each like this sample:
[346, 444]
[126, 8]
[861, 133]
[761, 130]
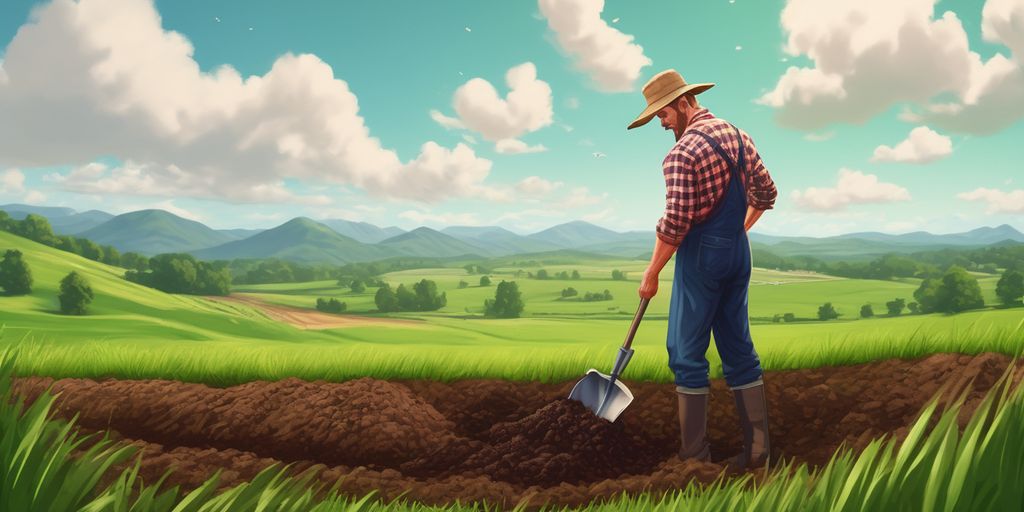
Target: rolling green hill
[362, 231]
[426, 242]
[300, 239]
[498, 241]
[153, 232]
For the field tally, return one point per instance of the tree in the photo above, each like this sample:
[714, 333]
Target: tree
[111, 256]
[618, 275]
[89, 249]
[386, 299]
[575, 274]
[6, 222]
[330, 305]
[406, 298]
[463, 284]
[895, 307]
[569, 292]
[927, 295]
[914, 308]
[866, 311]
[75, 294]
[954, 291]
[134, 260]
[827, 312]
[789, 317]
[542, 274]
[427, 298]
[485, 281]
[358, 286]
[607, 295]
[1010, 287]
[564, 275]
[36, 228]
[507, 301]
[15, 275]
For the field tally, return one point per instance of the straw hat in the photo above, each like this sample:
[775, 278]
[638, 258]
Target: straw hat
[662, 90]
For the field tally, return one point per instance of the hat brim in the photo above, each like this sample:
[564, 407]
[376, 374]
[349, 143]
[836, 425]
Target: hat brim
[653, 108]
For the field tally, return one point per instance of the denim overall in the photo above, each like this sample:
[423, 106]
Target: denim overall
[710, 292]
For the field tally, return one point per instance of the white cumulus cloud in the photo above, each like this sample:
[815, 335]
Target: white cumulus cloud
[853, 187]
[537, 186]
[998, 201]
[611, 58]
[78, 85]
[868, 55]
[923, 145]
[12, 181]
[516, 146]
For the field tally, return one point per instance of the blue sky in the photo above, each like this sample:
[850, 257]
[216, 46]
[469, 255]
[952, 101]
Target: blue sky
[246, 114]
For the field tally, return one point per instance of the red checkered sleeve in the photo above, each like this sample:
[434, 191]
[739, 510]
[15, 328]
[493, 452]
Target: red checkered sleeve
[761, 191]
[681, 194]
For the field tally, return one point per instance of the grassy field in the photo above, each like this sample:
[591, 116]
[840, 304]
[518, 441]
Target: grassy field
[137, 332]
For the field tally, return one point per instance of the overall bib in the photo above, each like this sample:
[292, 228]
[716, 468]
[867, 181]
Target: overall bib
[709, 291]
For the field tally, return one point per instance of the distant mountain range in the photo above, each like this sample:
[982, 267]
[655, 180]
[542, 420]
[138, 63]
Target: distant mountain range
[339, 241]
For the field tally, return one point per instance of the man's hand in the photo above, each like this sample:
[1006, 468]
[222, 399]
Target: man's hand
[649, 284]
[752, 215]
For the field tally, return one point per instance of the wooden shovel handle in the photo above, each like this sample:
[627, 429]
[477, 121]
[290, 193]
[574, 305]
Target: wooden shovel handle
[636, 323]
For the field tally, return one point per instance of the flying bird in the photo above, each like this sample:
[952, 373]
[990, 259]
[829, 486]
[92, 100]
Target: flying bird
[250, 28]
[616, 20]
[468, 29]
[599, 155]
[216, 19]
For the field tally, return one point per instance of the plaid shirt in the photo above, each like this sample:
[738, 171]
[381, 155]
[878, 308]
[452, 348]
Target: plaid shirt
[696, 176]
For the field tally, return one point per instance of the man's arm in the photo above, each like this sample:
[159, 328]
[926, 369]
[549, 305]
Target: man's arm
[681, 195]
[662, 253]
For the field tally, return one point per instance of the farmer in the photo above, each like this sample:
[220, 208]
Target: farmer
[717, 188]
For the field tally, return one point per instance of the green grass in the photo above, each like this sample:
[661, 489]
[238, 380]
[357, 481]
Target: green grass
[933, 469]
[137, 332]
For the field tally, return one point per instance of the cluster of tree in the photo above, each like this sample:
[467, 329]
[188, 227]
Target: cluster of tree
[569, 292]
[596, 296]
[330, 305]
[422, 297]
[507, 301]
[618, 275]
[476, 268]
[463, 284]
[955, 291]
[787, 317]
[263, 271]
[37, 228]
[485, 281]
[827, 312]
[182, 273]
[16, 279]
[922, 264]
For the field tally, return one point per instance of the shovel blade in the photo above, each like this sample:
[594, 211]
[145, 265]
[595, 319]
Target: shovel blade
[591, 390]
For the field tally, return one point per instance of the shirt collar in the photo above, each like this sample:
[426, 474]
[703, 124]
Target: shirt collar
[702, 114]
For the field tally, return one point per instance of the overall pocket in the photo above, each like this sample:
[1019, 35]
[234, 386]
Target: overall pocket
[715, 254]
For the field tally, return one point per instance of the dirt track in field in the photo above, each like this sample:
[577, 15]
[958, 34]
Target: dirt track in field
[311, 318]
[495, 440]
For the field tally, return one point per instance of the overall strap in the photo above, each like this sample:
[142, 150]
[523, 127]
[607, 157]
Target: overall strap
[721, 151]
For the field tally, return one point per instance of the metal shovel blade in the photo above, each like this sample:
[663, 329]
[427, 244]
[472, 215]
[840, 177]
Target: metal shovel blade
[592, 389]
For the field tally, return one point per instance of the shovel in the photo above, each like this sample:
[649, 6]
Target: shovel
[605, 394]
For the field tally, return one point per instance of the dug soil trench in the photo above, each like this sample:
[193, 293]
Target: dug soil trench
[497, 441]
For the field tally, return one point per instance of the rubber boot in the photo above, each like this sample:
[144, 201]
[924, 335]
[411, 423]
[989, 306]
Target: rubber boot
[693, 422]
[753, 412]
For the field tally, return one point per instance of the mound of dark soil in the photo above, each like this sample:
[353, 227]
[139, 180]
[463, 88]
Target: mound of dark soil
[498, 441]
